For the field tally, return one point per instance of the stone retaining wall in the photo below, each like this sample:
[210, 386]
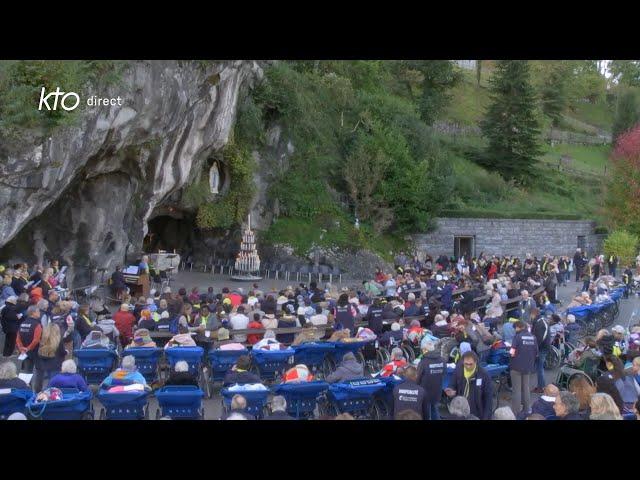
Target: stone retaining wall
[511, 237]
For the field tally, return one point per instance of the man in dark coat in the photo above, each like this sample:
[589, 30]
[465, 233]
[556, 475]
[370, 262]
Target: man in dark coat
[431, 371]
[10, 325]
[577, 264]
[473, 382]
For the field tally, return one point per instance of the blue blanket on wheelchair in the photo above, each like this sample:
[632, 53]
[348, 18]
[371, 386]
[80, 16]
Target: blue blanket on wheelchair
[353, 389]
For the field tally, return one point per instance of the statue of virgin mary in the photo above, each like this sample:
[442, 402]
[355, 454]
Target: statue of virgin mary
[214, 178]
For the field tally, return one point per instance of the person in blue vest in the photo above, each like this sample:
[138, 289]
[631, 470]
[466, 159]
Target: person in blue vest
[430, 376]
[345, 314]
[473, 382]
[408, 395]
[524, 350]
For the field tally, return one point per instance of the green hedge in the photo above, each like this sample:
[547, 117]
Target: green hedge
[508, 215]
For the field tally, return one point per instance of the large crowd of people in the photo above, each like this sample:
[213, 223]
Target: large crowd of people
[449, 310]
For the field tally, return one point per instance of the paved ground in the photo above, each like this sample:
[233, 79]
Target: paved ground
[213, 406]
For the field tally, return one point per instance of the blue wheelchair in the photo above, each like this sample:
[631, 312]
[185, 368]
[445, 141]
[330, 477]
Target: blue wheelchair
[124, 405]
[256, 401]
[194, 358]
[95, 364]
[584, 318]
[316, 356]
[301, 397]
[356, 397]
[14, 402]
[147, 361]
[74, 405]
[221, 362]
[180, 402]
[270, 364]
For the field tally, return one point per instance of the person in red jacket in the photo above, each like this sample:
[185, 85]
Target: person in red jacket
[493, 271]
[236, 299]
[29, 336]
[397, 362]
[255, 323]
[125, 322]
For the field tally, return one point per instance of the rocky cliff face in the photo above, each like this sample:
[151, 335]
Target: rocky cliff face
[85, 194]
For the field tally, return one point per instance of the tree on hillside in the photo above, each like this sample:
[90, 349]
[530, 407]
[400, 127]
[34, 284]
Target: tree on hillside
[553, 93]
[439, 76]
[510, 124]
[625, 72]
[627, 114]
[623, 193]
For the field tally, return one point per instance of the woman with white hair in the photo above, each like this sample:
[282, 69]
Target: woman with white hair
[127, 374]
[69, 378]
[603, 408]
[9, 377]
[503, 413]
[181, 376]
[459, 409]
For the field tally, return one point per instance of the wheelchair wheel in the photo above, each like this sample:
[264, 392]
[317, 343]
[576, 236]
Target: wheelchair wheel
[103, 414]
[377, 412]
[408, 353]
[204, 384]
[553, 358]
[384, 355]
[360, 358]
[328, 366]
[380, 359]
[326, 408]
[157, 414]
[88, 416]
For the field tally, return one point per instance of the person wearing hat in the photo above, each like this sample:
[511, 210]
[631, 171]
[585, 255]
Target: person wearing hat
[125, 321]
[269, 321]
[142, 338]
[10, 320]
[240, 374]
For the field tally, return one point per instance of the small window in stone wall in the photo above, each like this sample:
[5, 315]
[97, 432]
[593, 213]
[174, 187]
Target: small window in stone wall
[581, 242]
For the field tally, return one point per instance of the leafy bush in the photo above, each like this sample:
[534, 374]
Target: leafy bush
[623, 244]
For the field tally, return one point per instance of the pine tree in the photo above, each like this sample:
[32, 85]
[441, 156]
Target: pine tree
[510, 124]
[627, 115]
[554, 94]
